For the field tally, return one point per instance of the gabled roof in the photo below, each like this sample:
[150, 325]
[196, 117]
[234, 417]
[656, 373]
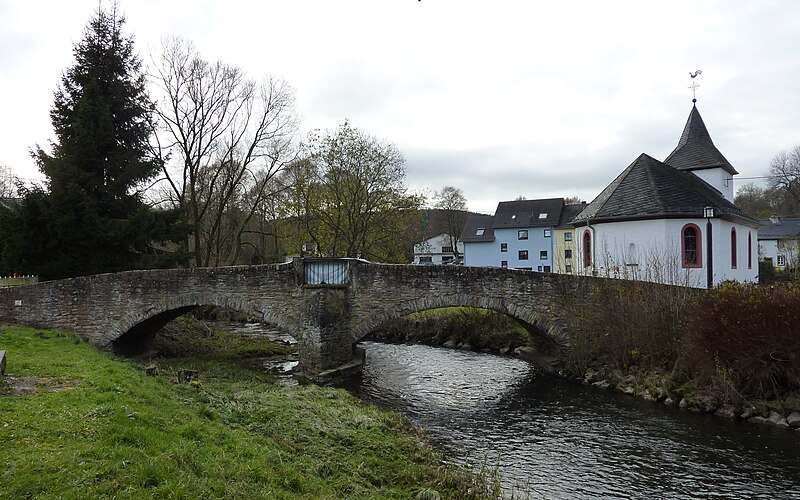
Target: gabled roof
[475, 222]
[528, 213]
[650, 189]
[569, 212]
[695, 149]
[779, 229]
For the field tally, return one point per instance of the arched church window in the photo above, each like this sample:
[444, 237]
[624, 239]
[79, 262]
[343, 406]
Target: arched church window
[691, 253]
[733, 248]
[587, 249]
[633, 255]
[749, 250]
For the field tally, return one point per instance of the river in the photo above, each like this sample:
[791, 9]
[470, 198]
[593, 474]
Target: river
[554, 438]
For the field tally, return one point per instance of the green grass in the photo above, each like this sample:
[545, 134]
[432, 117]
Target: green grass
[77, 423]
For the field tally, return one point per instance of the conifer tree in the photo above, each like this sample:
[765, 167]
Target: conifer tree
[92, 217]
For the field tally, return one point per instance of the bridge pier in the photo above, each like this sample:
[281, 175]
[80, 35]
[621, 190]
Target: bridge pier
[327, 352]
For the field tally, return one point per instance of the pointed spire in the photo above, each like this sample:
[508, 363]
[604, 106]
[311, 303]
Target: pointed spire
[695, 149]
[695, 130]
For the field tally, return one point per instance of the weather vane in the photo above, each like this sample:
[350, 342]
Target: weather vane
[694, 84]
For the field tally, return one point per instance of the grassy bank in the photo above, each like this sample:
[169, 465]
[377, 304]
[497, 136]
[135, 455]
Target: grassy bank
[76, 423]
[477, 328]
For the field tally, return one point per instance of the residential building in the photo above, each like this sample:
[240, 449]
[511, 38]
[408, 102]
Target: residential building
[672, 221]
[779, 242]
[564, 256]
[518, 236]
[437, 250]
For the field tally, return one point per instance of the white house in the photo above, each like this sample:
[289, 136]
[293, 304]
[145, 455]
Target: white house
[672, 221]
[779, 242]
[437, 250]
[518, 236]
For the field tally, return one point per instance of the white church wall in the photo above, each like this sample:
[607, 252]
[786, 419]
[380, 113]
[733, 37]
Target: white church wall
[651, 250]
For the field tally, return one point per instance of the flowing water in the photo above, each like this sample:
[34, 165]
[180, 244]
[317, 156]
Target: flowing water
[553, 438]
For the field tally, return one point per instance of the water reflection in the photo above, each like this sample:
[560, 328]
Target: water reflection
[563, 440]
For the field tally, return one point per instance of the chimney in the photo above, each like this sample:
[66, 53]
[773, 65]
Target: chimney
[774, 219]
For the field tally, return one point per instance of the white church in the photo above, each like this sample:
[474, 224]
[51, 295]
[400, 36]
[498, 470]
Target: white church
[670, 221]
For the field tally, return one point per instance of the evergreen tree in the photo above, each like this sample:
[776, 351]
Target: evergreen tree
[92, 218]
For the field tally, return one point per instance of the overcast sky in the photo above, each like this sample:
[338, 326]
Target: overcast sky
[499, 98]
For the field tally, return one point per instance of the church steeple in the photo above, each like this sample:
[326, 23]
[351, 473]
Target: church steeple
[695, 149]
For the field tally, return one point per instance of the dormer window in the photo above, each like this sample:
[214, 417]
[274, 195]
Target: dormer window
[480, 231]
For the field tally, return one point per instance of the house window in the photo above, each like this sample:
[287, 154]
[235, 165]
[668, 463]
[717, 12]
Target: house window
[568, 268]
[781, 260]
[568, 236]
[547, 269]
[480, 231]
[568, 253]
[504, 264]
[504, 247]
[523, 255]
[539, 268]
[446, 259]
[691, 249]
[447, 249]
[733, 248]
[546, 233]
[749, 250]
[587, 249]
[522, 234]
[542, 254]
[425, 260]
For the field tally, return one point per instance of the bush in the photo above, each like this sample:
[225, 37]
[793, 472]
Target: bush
[621, 324]
[746, 337]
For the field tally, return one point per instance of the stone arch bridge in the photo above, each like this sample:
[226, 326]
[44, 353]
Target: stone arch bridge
[326, 304]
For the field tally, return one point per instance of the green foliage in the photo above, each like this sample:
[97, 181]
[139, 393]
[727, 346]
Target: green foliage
[90, 426]
[746, 337]
[348, 197]
[91, 218]
[480, 328]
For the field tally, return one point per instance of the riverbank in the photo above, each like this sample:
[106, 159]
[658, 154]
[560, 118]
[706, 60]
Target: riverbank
[457, 327]
[75, 422]
[635, 342]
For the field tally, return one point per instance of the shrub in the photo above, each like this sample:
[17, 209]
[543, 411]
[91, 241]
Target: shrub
[622, 323]
[747, 337]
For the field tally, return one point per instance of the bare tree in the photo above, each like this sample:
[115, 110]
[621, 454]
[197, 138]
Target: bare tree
[451, 200]
[228, 136]
[8, 182]
[784, 172]
[573, 200]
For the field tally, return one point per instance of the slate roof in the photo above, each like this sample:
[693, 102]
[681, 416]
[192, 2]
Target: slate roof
[474, 222]
[785, 229]
[569, 212]
[525, 213]
[695, 149]
[650, 189]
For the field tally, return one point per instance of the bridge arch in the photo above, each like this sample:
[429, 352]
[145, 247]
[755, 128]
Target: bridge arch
[546, 332]
[135, 331]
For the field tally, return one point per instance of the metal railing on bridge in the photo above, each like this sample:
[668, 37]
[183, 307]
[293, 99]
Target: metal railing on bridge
[324, 272]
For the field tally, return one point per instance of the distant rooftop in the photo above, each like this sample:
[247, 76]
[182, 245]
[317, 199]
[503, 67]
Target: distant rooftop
[777, 228]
